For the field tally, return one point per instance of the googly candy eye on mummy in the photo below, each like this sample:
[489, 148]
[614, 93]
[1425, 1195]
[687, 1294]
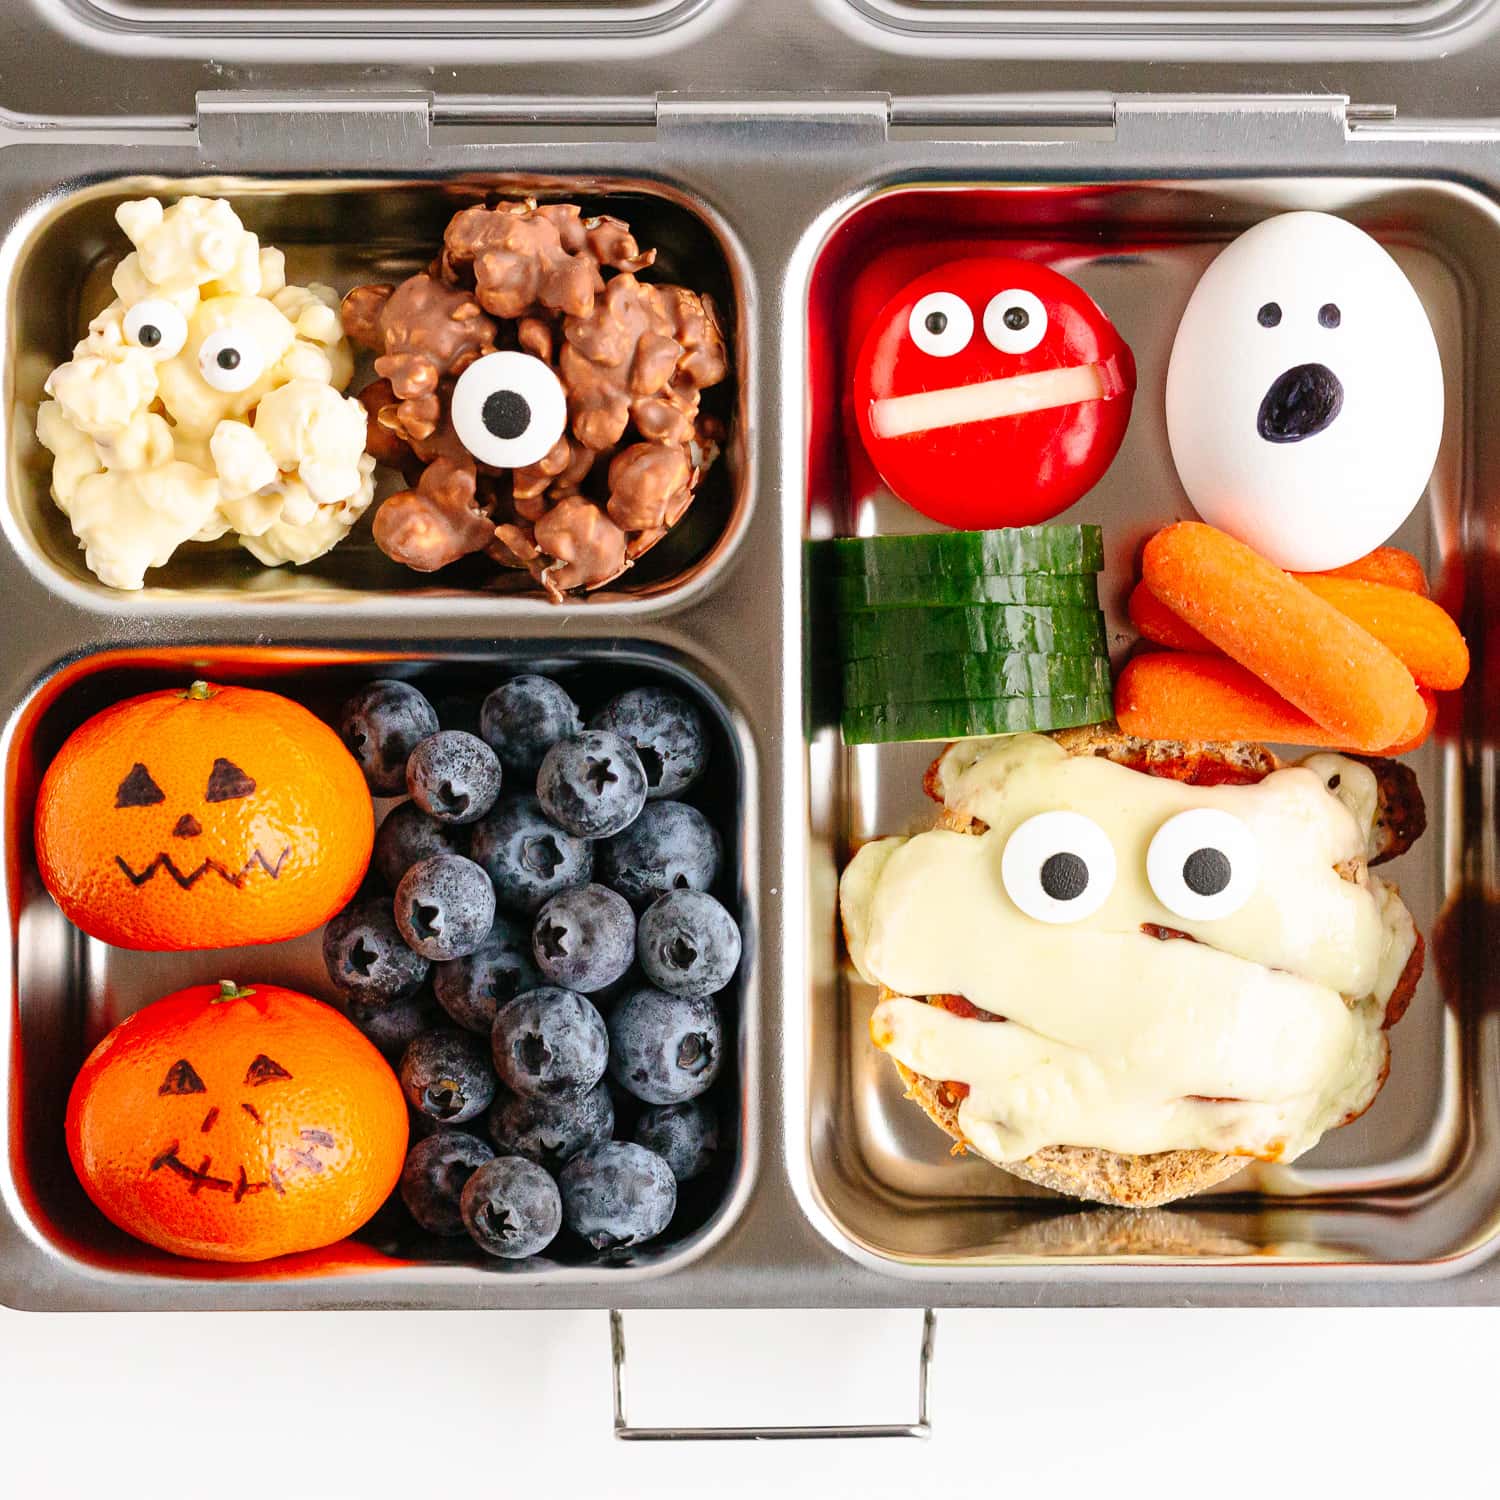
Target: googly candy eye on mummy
[992, 392]
[1305, 393]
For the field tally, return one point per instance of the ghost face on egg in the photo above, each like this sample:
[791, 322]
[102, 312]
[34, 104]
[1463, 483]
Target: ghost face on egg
[1305, 393]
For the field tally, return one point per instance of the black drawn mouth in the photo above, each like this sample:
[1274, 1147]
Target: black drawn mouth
[1301, 403]
[189, 879]
[201, 1180]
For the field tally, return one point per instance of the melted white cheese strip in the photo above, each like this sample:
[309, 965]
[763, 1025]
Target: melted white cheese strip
[1109, 1033]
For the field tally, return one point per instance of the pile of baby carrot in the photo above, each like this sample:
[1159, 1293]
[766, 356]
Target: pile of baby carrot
[1351, 658]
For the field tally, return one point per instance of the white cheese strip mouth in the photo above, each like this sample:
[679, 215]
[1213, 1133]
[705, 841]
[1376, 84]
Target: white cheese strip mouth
[987, 400]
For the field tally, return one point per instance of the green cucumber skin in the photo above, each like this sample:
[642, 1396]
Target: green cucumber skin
[906, 590]
[1069, 630]
[973, 718]
[876, 680]
[1016, 549]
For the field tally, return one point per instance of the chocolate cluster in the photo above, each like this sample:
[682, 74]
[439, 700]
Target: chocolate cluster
[615, 473]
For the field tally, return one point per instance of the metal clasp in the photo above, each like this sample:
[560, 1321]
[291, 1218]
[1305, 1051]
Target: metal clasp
[920, 1428]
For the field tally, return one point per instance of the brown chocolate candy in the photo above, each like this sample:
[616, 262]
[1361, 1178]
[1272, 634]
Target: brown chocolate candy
[437, 523]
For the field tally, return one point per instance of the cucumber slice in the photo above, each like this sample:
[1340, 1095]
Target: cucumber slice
[898, 590]
[1067, 629]
[1010, 549]
[957, 720]
[1018, 674]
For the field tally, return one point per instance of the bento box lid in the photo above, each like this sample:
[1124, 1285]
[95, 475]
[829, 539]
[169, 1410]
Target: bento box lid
[70, 61]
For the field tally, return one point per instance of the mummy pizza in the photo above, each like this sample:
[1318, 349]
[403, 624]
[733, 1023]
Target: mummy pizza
[1305, 393]
[205, 401]
[992, 392]
[543, 413]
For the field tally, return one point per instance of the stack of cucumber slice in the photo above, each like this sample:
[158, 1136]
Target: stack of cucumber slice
[962, 633]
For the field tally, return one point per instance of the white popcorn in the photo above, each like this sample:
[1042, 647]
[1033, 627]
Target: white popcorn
[241, 428]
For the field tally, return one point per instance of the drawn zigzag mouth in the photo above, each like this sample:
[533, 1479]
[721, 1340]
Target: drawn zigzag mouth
[190, 878]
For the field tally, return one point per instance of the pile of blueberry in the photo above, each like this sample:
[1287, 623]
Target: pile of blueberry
[542, 958]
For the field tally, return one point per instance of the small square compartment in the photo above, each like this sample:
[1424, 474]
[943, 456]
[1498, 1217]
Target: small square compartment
[70, 990]
[343, 232]
[1415, 1181]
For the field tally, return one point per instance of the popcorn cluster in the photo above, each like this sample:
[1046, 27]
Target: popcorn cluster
[203, 401]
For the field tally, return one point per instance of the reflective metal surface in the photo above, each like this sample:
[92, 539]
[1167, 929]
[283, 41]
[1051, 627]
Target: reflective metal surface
[839, 1197]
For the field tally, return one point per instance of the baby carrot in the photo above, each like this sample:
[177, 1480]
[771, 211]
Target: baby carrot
[1420, 632]
[1157, 623]
[1384, 565]
[1298, 644]
[1180, 695]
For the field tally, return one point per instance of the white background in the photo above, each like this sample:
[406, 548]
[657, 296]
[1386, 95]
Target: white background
[510, 1406]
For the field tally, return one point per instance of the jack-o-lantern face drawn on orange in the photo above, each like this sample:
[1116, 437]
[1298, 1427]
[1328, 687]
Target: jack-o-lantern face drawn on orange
[235, 1123]
[203, 818]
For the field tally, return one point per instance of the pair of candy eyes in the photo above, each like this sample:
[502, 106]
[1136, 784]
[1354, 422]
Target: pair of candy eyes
[941, 324]
[1060, 866]
[1269, 316]
[229, 359]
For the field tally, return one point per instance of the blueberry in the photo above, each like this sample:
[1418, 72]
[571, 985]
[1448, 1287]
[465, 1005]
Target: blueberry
[592, 785]
[617, 1193]
[549, 1131]
[406, 835]
[523, 718]
[433, 1179]
[685, 1136]
[453, 776]
[667, 732]
[393, 1025]
[367, 959]
[670, 847]
[584, 940]
[665, 1048]
[381, 724]
[471, 989]
[447, 1074]
[511, 1208]
[445, 906]
[549, 1041]
[688, 944]
[528, 858]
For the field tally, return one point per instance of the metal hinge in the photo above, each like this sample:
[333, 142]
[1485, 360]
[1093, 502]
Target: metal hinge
[284, 131]
[1200, 126]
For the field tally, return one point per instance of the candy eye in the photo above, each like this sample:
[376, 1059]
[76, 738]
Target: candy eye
[1203, 864]
[1015, 322]
[941, 324]
[229, 360]
[157, 326]
[1058, 867]
[509, 409]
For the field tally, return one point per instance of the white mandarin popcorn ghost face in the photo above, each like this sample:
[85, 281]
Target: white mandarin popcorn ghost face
[1305, 393]
[203, 400]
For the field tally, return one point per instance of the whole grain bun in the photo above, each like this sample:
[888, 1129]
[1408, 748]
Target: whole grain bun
[1110, 1177]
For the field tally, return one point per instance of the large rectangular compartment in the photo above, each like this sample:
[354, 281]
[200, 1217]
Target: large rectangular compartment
[71, 990]
[1417, 1180]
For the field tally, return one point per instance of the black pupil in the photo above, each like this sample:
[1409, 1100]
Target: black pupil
[506, 414]
[148, 336]
[229, 359]
[936, 323]
[1065, 877]
[1205, 872]
[1269, 315]
[1329, 315]
[1016, 318]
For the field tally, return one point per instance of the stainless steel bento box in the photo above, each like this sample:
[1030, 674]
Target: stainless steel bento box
[772, 145]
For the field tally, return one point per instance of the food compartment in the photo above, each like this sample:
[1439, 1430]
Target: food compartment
[70, 990]
[1416, 1179]
[345, 233]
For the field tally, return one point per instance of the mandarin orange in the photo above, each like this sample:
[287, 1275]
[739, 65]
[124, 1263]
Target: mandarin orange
[236, 1124]
[204, 817]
